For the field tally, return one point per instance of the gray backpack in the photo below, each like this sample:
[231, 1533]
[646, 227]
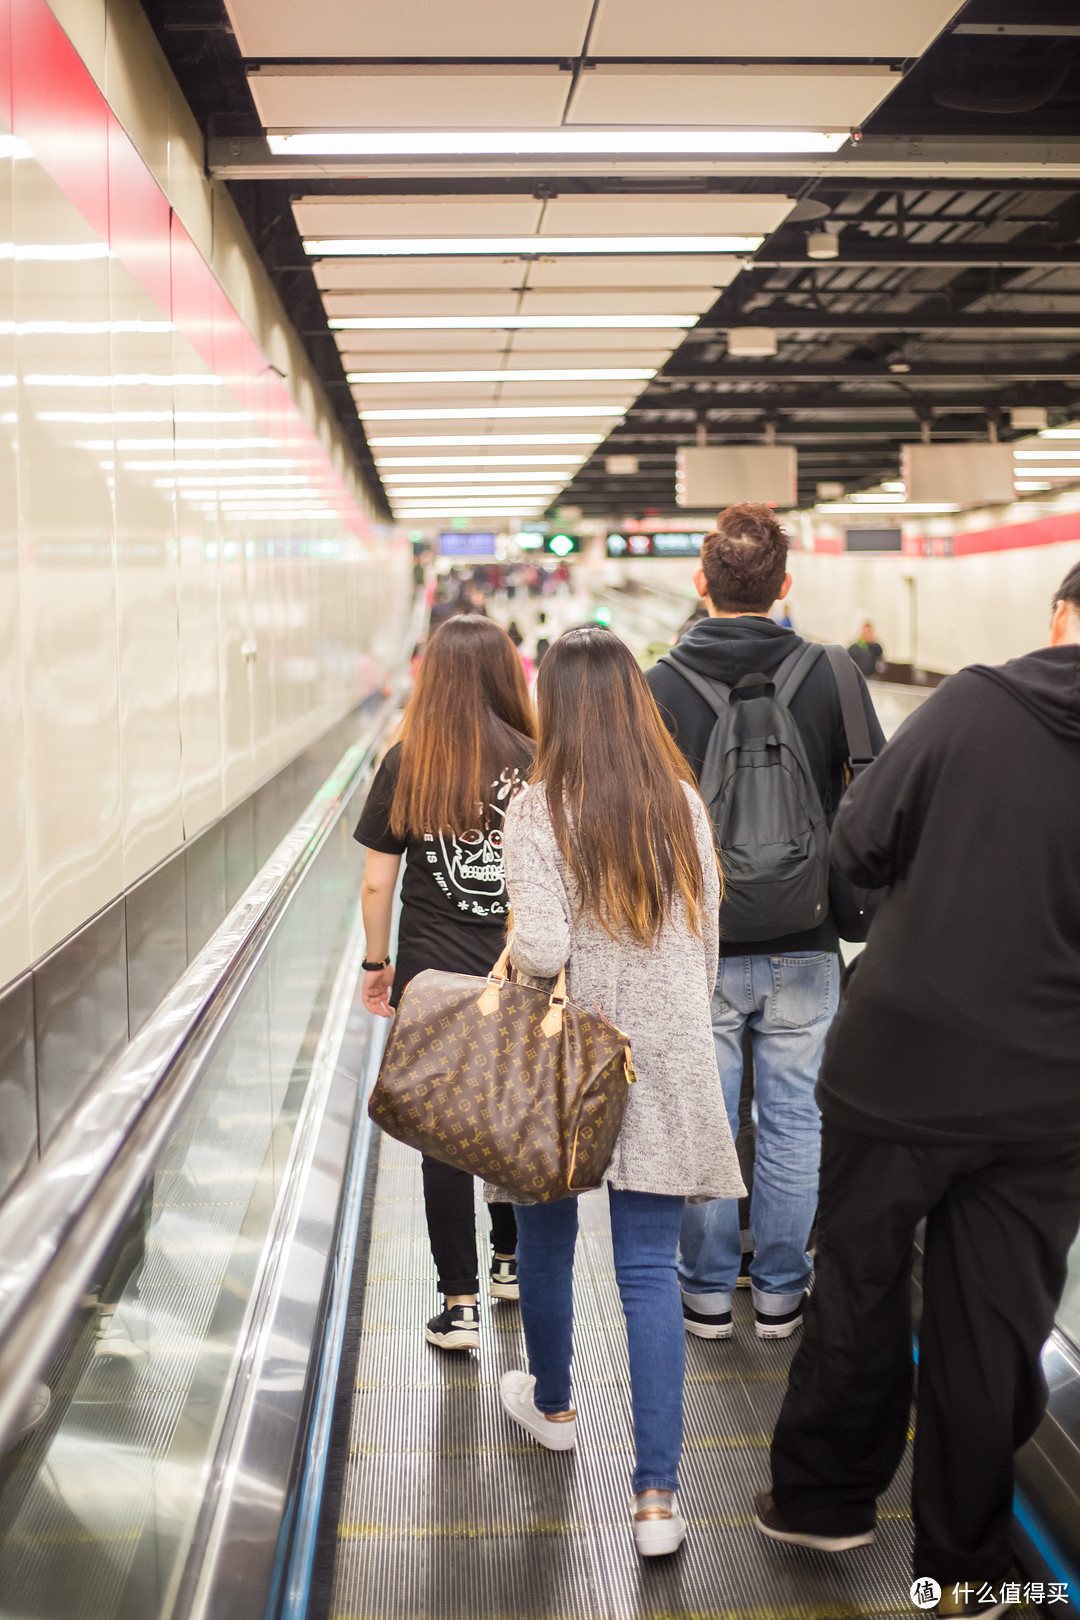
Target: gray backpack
[764, 805]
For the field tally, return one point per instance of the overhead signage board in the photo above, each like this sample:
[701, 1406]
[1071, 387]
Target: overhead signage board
[722, 474]
[461, 543]
[874, 539]
[665, 543]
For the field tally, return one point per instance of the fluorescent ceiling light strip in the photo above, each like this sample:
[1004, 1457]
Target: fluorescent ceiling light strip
[1044, 455]
[561, 374]
[527, 480]
[640, 142]
[506, 323]
[570, 460]
[516, 247]
[420, 497]
[1053, 472]
[431, 442]
[477, 413]
[849, 510]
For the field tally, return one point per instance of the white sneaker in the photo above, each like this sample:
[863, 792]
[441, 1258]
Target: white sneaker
[114, 1339]
[31, 1415]
[662, 1531]
[516, 1393]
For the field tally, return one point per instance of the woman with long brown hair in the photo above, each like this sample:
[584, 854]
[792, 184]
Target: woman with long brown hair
[612, 874]
[439, 799]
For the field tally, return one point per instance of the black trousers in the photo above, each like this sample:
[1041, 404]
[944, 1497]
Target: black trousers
[451, 1224]
[1000, 1219]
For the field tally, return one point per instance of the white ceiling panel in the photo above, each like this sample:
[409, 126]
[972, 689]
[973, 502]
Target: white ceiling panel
[593, 348]
[623, 301]
[591, 393]
[453, 348]
[704, 215]
[412, 28]
[490, 301]
[322, 98]
[428, 216]
[419, 394]
[652, 271]
[780, 28]
[423, 275]
[780, 97]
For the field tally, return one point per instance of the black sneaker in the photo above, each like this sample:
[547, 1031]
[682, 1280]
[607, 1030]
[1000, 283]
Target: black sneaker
[707, 1327]
[504, 1283]
[779, 1327]
[743, 1280]
[456, 1328]
[768, 1522]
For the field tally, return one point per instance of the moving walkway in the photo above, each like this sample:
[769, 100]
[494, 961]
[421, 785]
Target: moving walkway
[218, 1270]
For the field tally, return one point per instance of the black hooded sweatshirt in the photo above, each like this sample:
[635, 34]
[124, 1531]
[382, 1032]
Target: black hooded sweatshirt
[726, 650]
[961, 1019]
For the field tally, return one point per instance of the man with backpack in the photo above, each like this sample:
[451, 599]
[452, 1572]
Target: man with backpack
[950, 1091]
[760, 718]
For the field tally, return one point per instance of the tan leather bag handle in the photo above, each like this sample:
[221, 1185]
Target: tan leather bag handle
[489, 998]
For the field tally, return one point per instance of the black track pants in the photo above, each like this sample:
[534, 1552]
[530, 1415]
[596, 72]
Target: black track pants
[451, 1222]
[1000, 1219]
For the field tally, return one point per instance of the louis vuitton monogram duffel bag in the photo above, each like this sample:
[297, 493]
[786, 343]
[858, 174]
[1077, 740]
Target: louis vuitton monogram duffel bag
[504, 1081]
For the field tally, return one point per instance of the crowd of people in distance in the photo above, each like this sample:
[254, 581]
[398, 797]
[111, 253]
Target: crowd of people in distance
[935, 1080]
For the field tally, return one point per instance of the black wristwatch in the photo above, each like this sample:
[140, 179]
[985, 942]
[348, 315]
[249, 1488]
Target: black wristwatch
[375, 967]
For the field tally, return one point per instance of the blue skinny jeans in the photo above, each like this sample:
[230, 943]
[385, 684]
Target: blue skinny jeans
[644, 1235]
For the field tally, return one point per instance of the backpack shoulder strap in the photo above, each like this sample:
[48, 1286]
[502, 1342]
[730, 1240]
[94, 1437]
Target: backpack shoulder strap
[715, 693]
[794, 670]
[856, 728]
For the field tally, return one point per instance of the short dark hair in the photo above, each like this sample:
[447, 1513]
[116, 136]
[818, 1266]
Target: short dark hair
[745, 559]
[1069, 589]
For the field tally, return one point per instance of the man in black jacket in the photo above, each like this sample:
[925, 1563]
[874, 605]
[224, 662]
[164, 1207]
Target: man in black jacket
[950, 1090]
[785, 989]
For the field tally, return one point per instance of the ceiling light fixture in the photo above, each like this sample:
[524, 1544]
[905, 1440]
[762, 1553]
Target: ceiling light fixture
[570, 459]
[477, 413]
[516, 247]
[433, 441]
[822, 245]
[552, 142]
[508, 323]
[560, 374]
[893, 506]
[1044, 455]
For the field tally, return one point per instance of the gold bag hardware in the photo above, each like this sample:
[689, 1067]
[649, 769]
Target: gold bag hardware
[509, 1083]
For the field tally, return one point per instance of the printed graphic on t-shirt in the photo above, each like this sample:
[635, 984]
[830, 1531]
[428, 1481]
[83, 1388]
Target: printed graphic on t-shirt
[468, 867]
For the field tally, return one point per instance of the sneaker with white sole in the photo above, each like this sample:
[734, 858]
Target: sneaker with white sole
[779, 1327]
[705, 1326]
[504, 1282]
[768, 1521]
[34, 1412]
[516, 1394]
[455, 1328]
[659, 1527]
[114, 1339]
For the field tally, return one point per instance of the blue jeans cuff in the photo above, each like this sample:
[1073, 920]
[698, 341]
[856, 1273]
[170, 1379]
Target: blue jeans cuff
[776, 1304]
[654, 1482]
[705, 1305]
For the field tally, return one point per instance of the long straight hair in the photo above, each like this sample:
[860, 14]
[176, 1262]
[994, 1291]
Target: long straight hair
[468, 718]
[614, 782]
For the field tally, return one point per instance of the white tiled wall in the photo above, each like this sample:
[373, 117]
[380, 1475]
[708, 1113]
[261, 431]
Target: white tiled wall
[172, 627]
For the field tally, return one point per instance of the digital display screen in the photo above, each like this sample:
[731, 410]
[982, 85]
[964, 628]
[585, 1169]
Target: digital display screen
[670, 543]
[466, 545]
[874, 539]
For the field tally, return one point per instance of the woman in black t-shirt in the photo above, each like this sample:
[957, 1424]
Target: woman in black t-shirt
[439, 798]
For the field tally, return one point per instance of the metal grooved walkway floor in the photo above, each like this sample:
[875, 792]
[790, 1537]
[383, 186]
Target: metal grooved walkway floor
[449, 1513]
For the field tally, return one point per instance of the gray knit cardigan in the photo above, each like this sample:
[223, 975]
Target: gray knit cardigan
[675, 1137]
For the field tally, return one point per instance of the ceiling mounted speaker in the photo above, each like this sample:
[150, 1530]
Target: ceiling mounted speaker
[751, 342]
[1028, 418]
[822, 245]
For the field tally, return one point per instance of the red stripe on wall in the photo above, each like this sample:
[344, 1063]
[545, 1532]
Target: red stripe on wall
[1050, 531]
[53, 104]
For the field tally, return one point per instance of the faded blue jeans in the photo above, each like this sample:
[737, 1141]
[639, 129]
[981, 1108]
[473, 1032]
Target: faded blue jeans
[644, 1235]
[788, 1002]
